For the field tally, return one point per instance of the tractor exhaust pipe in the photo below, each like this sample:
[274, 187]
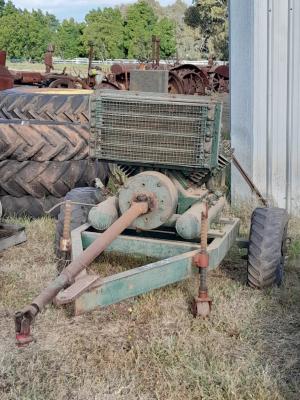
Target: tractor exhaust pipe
[25, 317]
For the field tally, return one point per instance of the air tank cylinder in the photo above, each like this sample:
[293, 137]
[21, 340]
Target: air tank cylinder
[188, 225]
[104, 214]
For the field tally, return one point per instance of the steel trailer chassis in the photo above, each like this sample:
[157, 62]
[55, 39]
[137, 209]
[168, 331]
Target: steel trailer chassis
[175, 263]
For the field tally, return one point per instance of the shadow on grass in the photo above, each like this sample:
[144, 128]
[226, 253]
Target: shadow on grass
[278, 325]
[234, 266]
[274, 329]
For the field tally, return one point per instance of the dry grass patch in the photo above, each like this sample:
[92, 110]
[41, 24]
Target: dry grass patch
[73, 69]
[149, 347]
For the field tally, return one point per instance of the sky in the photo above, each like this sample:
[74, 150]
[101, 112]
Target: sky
[74, 8]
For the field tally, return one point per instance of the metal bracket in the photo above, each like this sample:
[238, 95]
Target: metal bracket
[11, 235]
[80, 286]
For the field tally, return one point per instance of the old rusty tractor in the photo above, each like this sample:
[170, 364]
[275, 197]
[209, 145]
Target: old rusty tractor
[6, 79]
[169, 206]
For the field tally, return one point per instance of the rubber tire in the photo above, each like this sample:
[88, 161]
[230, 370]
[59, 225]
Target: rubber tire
[64, 107]
[266, 250]
[79, 216]
[29, 206]
[49, 178]
[43, 141]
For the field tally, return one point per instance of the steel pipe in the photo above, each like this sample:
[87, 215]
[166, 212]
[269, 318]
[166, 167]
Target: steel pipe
[88, 256]
[24, 318]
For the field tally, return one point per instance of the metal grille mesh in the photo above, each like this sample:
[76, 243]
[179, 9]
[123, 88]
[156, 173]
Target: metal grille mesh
[146, 130]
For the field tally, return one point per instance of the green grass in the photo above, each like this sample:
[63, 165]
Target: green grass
[149, 347]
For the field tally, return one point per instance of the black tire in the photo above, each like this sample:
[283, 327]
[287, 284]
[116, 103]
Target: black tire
[49, 178]
[79, 214]
[29, 206]
[19, 104]
[43, 142]
[267, 247]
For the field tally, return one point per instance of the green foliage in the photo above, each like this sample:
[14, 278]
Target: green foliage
[119, 32]
[139, 28]
[68, 39]
[9, 8]
[105, 29]
[211, 17]
[166, 30]
[192, 17]
[188, 40]
[25, 34]
[2, 4]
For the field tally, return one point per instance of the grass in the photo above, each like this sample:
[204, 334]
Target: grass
[73, 69]
[150, 347]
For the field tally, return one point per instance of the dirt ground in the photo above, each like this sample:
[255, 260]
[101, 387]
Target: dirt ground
[150, 347]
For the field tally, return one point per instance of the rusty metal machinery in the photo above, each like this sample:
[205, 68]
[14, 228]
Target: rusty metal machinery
[186, 79]
[6, 80]
[159, 210]
[218, 76]
[52, 80]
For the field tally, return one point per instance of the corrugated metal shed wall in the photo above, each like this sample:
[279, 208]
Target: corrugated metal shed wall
[265, 97]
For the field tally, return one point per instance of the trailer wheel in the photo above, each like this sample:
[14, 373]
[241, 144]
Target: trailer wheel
[79, 216]
[267, 247]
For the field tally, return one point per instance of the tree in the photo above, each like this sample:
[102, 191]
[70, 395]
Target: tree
[105, 29]
[9, 8]
[211, 17]
[139, 27]
[187, 39]
[68, 39]
[166, 30]
[2, 5]
[192, 17]
[39, 32]
[25, 34]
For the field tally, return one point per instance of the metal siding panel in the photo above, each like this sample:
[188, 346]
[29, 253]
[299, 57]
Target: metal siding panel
[293, 178]
[241, 101]
[266, 138]
[260, 89]
[278, 102]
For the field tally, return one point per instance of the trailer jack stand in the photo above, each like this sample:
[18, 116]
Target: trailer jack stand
[202, 303]
[201, 306]
[23, 320]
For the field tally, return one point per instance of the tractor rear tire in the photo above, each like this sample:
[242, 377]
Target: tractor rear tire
[28, 206]
[267, 247]
[49, 178]
[79, 214]
[43, 141]
[43, 106]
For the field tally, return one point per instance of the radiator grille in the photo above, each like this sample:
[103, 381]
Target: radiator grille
[157, 130]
